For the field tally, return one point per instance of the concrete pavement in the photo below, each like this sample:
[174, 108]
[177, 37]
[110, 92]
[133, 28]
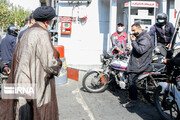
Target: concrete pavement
[76, 104]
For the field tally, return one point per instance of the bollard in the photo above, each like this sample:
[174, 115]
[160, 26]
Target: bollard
[62, 77]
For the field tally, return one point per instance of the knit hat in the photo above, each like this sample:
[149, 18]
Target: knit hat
[44, 13]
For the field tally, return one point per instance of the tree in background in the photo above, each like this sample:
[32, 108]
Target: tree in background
[9, 14]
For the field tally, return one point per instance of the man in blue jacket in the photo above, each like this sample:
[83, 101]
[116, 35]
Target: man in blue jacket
[164, 30]
[8, 44]
[140, 59]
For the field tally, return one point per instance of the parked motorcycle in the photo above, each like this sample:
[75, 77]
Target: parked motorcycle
[167, 96]
[97, 80]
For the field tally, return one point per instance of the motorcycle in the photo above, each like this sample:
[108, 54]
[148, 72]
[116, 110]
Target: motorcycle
[167, 96]
[97, 80]
[3, 78]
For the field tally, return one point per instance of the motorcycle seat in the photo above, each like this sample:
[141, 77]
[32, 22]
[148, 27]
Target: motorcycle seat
[154, 67]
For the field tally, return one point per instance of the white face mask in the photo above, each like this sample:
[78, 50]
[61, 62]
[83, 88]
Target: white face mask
[120, 29]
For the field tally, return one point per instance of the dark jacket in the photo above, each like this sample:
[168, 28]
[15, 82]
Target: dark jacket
[175, 60]
[7, 48]
[141, 54]
[1, 66]
[163, 36]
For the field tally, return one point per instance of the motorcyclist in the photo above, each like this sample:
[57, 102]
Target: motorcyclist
[164, 30]
[8, 44]
[119, 39]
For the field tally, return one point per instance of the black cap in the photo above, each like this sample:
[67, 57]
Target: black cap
[44, 13]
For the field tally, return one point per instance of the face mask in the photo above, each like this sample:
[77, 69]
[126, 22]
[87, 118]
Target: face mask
[161, 21]
[120, 29]
[136, 34]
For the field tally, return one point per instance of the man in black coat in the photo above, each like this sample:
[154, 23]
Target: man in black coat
[140, 59]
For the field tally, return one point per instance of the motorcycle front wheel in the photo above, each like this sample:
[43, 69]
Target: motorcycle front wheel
[166, 107]
[95, 82]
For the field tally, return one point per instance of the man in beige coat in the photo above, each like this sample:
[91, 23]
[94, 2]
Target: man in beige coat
[35, 61]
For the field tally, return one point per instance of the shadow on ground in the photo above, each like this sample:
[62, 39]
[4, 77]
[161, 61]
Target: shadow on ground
[144, 108]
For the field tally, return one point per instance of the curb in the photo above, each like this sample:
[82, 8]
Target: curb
[75, 74]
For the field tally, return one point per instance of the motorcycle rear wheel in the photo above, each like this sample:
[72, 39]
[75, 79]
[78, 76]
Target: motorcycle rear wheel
[167, 108]
[95, 82]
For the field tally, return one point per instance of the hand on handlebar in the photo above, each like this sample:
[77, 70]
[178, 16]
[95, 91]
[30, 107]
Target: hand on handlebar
[169, 45]
[7, 70]
[120, 52]
[165, 61]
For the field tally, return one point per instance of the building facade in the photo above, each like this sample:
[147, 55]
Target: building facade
[85, 26]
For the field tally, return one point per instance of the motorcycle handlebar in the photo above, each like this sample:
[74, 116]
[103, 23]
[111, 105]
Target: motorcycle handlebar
[122, 56]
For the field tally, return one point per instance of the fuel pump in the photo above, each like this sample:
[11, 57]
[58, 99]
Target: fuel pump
[142, 12]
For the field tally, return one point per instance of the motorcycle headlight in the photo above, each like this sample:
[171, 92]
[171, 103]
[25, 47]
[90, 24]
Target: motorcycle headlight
[101, 58]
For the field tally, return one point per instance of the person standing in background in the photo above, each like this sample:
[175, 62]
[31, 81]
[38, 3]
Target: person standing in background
[119, 39]
[29, 21]
[8, 44]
